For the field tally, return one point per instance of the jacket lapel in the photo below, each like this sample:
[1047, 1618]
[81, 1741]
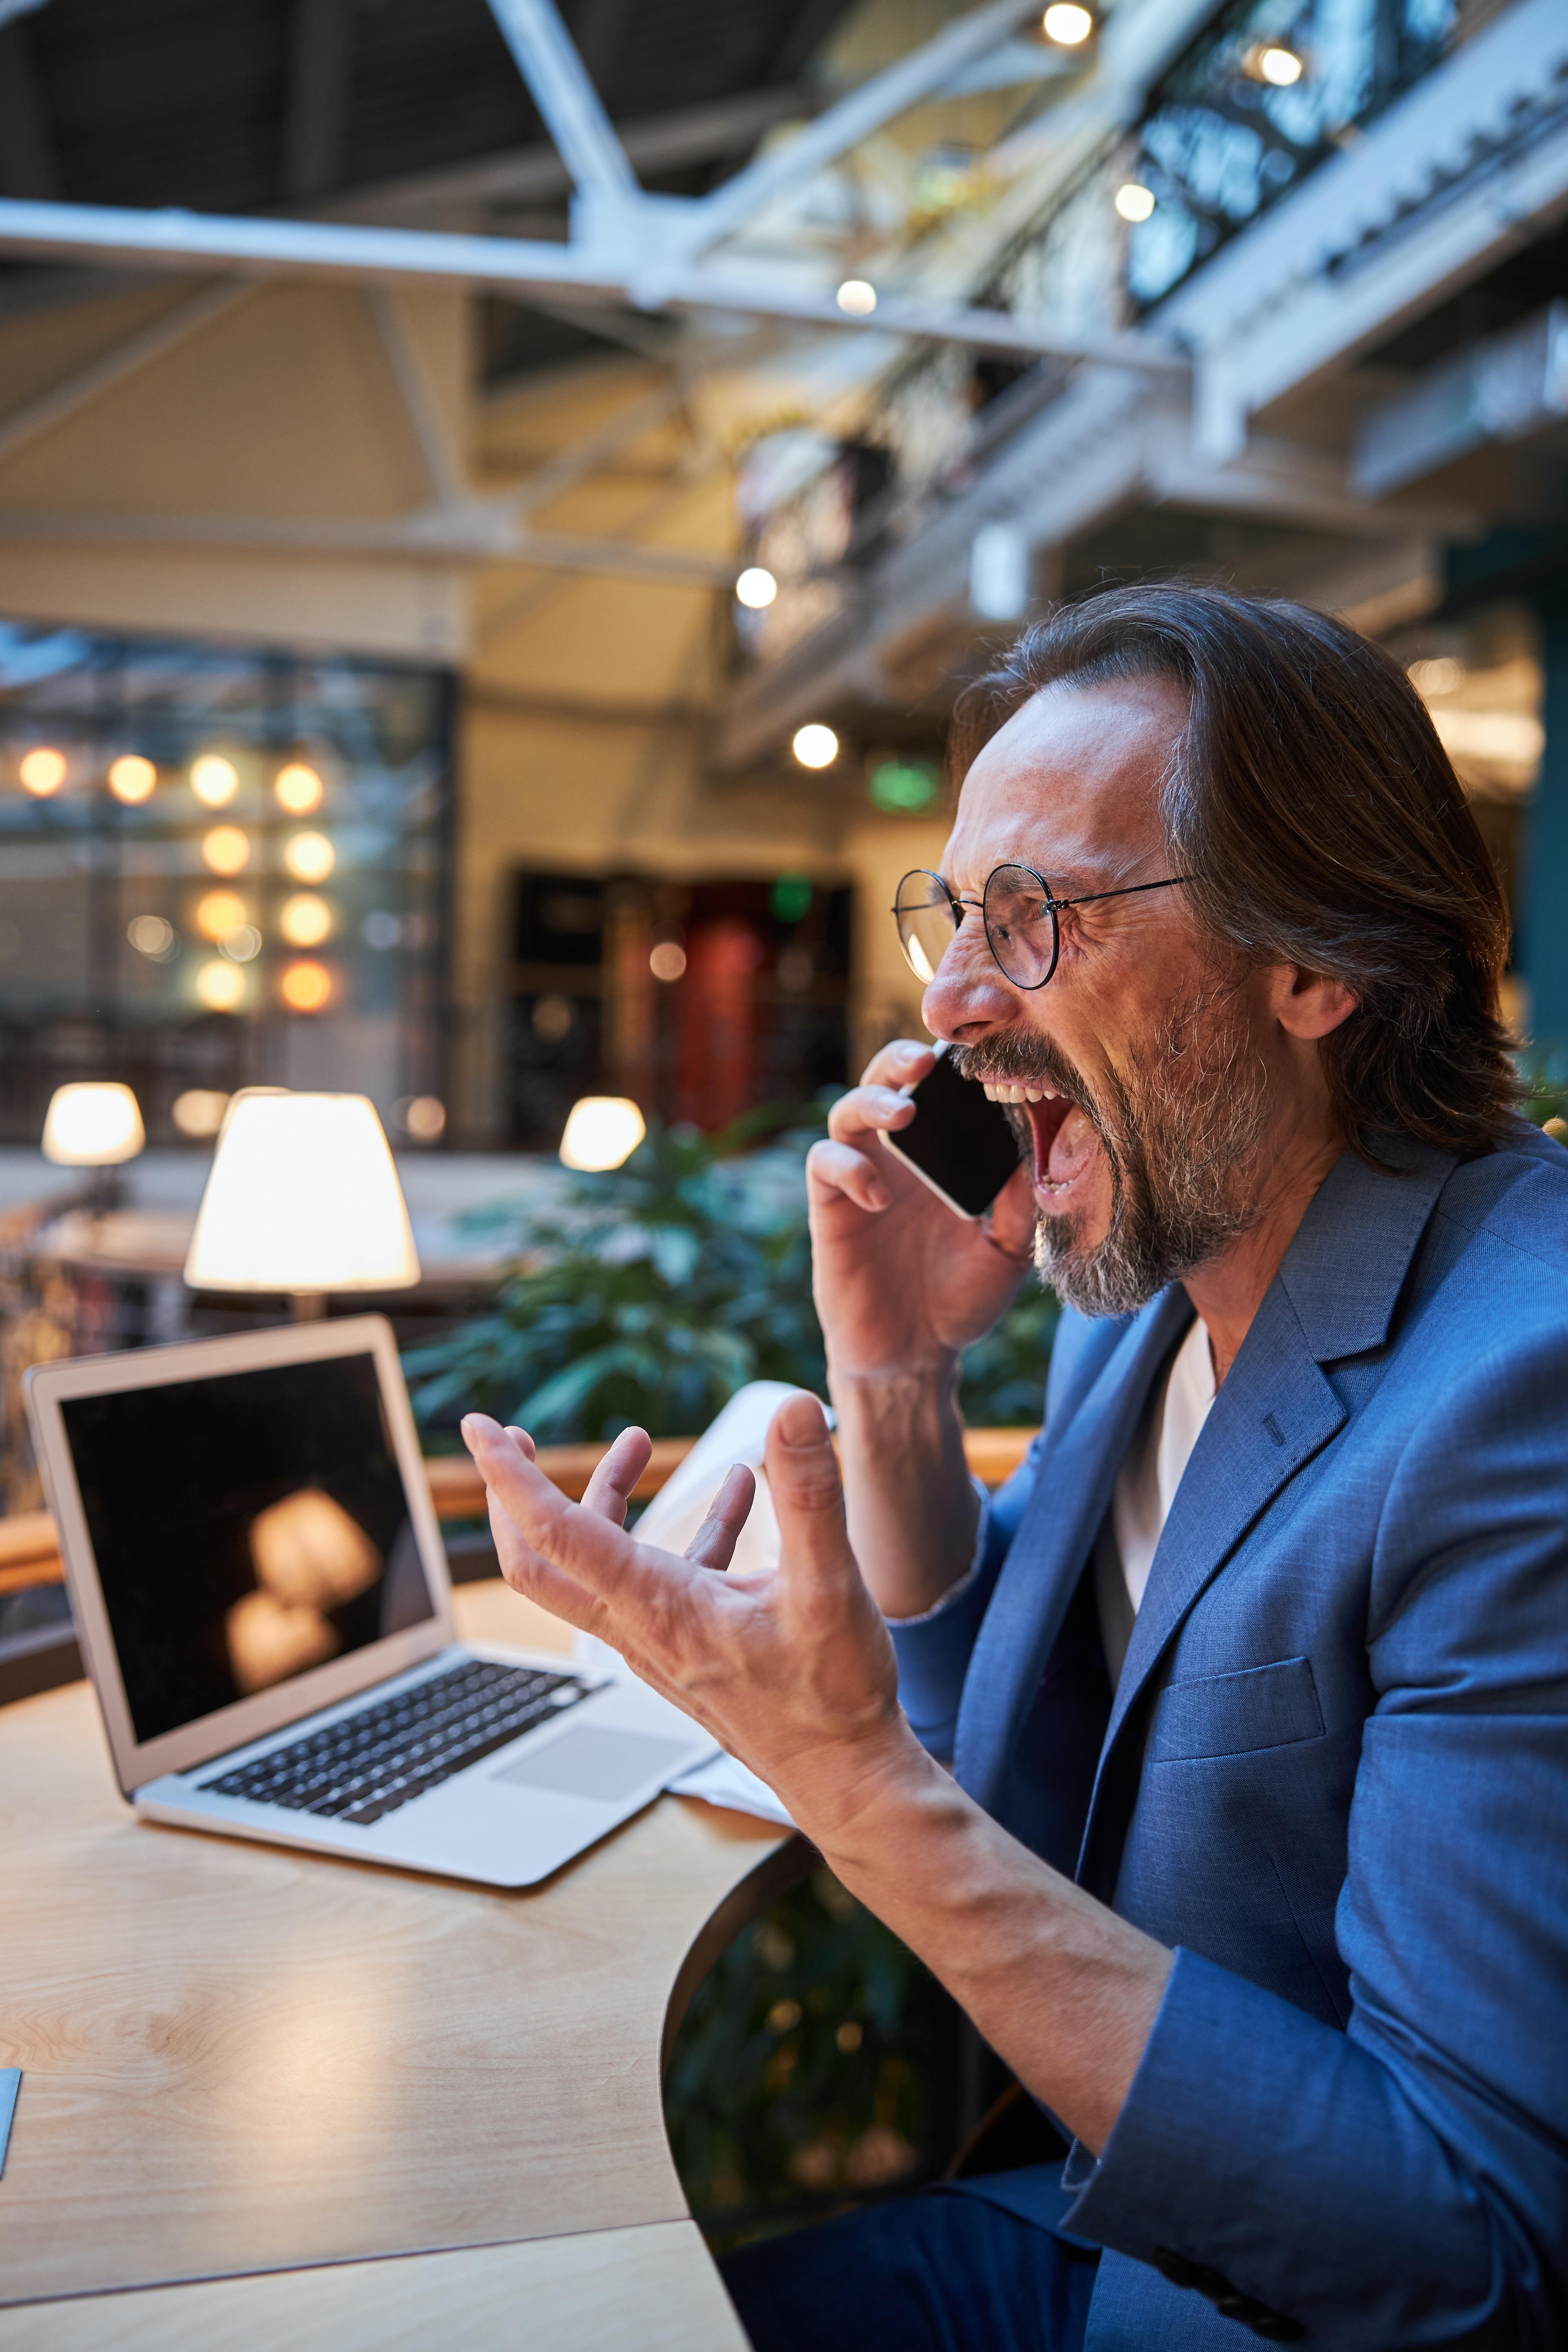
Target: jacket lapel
[1333, 1298]
[1073, 1479]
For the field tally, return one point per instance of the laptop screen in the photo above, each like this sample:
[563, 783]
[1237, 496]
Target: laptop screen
[247, 1527]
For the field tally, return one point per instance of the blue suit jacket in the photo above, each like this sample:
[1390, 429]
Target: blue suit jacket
[1334, 1776]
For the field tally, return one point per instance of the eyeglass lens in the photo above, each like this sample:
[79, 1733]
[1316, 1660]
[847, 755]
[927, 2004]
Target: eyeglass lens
[926, 921]
[1021, 925]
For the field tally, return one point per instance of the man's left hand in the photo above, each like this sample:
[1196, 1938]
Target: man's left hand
[790, 1667]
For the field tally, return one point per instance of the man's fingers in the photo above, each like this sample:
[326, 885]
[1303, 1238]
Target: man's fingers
[836, 1167]
[713, 1545]
[902, 1063]
[521, 1440]
[867, 1110]
[806, 1489]
[587, 1547]
[609, 1490]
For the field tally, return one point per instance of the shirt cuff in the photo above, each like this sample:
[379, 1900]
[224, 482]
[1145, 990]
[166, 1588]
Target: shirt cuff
[956, 1592]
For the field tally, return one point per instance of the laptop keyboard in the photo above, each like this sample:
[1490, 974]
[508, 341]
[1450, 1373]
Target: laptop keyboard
[366, 1765]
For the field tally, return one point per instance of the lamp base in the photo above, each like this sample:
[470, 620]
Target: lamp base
[308, 1305]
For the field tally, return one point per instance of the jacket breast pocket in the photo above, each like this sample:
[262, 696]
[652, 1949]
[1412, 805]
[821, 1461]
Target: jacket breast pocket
[1236, 1715]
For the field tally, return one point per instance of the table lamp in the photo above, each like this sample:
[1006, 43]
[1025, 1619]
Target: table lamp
[94, 1124]
[303, 1198]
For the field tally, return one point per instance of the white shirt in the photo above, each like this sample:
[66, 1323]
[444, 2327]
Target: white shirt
[1146, 1488]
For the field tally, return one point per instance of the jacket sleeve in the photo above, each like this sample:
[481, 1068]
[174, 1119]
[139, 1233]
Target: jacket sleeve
[934, 1650]
[1405, 2182]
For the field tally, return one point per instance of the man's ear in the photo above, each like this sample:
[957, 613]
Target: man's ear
[1308, 1004]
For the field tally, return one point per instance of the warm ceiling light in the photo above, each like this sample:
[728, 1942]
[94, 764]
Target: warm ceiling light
[756, 588]
[1067, 23]
[307, 987]
[213, 779]
[856, 298]
[132, 779]
[299, 788]
[305, 920]
[303, 1196]
[225, 849]
[218, 912]
[42, 772]
[667, 960]
[1279, 66]
[1134, 202]
[220, 986]
[310, 857]
[198, 1112]
[815, 746]
[92, 1125]
[602, 1132]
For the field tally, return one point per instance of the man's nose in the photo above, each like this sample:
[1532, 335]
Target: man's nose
[968, 998]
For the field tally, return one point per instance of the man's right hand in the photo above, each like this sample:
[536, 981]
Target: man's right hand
[902, 1284]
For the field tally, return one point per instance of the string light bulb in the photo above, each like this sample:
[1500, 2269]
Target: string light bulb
[213, 779]
[1279, 66]
[225, 849]
[42, 771]
[309, 856]
[856, 298]
[756, 588]
[1134, 202]
[132, 779]
[298, 788]
[815, 746]
[1066, 24]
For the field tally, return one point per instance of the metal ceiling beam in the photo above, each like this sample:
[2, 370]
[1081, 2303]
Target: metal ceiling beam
[573, 112]
[442, 470]
[178, 240]
[655, 143]
[315, 109]
[475, 534]
[28, 165]
[62, 400]
[842, 126]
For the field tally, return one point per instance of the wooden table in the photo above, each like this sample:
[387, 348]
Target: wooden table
[243, 2063]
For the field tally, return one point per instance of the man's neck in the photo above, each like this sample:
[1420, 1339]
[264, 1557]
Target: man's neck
[1229, 1289]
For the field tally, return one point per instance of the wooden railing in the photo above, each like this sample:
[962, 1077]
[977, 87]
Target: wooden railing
[30, 1553]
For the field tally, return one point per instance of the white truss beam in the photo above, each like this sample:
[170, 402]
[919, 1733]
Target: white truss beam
[572, 109]
[475, 534]
[842, 126]
[62, 400]
[606, 271]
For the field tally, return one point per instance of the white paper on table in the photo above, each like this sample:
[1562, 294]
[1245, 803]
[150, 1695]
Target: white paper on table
[724, 1780]
[739, 1434]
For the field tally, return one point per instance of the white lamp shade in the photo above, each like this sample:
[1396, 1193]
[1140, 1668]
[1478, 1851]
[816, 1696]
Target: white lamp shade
[92, 1125]
[303, 1195]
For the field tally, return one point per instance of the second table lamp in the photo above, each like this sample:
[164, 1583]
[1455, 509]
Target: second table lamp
[303, 1198]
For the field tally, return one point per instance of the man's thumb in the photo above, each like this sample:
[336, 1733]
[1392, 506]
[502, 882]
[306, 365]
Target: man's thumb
[806, 1490]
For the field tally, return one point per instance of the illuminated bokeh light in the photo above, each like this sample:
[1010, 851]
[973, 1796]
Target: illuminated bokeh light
[218, 912]
[225, 849]
[213, 779]
[306, 987]
[42, 771]
[221, 986]
[310, 857]
[298, 788]
[305, 920]
[132, 779]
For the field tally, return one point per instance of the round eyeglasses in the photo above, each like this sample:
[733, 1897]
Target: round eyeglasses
[1020, 912]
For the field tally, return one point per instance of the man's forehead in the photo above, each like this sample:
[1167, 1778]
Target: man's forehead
[1073, 778]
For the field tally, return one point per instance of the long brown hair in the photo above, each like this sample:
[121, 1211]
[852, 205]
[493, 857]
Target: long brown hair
[1310, 796]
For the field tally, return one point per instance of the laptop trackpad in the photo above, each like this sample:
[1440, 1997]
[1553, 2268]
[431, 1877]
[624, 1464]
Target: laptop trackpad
[595, 1762]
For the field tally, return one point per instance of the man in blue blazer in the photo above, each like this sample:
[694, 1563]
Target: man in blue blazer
[1253, 1857]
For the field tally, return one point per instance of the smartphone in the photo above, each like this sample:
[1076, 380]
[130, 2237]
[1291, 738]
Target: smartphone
[958, 1142]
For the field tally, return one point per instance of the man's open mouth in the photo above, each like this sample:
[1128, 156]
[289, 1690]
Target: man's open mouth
[1066, 1141]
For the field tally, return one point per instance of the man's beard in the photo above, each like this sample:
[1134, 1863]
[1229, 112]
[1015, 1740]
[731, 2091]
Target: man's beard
[1180, 1127]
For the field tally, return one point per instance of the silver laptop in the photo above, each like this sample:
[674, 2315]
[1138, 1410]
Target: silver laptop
[263, 1604]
